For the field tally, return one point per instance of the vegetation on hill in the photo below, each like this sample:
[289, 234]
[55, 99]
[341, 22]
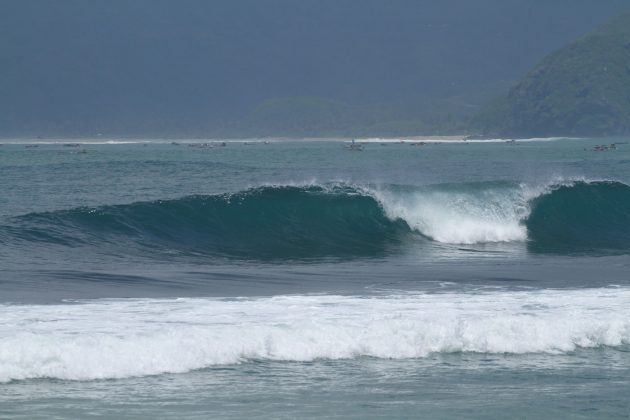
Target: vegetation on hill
[580, 90]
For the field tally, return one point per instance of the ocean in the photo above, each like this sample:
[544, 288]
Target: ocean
[303, 279]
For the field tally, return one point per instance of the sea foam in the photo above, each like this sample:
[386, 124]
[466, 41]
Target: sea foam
[126, 338]
[468, 216]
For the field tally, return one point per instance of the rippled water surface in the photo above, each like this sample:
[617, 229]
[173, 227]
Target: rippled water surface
[302, 279]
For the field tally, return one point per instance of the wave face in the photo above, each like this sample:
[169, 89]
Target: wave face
[263, 222]
[582, 216]
[125, 338]
[346, 221]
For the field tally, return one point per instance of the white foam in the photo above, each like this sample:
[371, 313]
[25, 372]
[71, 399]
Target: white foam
[126, 338]
[464, 217]
[456, 139]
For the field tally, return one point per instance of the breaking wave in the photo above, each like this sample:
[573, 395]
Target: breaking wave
[343, 220]
[105, 339]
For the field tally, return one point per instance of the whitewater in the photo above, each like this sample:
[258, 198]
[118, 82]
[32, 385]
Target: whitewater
[125, 338]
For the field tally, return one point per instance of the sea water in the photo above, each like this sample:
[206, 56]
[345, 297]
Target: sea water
[298, 278]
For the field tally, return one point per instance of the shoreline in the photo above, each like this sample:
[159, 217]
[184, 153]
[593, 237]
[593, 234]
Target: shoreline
[460, 139]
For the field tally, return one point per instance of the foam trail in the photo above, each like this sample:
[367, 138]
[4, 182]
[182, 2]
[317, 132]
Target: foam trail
[126, 338]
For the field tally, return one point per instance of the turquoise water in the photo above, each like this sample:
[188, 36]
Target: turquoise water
[301, 279]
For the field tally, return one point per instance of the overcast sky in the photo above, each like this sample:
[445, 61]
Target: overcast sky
[120, 60]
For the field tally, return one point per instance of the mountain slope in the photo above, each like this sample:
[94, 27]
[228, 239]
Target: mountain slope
[582, 89]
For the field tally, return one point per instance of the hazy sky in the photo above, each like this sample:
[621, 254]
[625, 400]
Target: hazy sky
[133, 62]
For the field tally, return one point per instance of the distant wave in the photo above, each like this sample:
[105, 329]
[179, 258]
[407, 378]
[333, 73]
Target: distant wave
[345, 220]
[105, 339]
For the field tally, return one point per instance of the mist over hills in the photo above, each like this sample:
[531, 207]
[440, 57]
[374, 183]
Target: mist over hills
[272, 67]
[582, 89]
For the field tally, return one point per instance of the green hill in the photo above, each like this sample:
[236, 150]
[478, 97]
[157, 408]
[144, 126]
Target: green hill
[580, 90]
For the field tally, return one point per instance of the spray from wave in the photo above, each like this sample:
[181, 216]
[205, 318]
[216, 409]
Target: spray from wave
[461, 214]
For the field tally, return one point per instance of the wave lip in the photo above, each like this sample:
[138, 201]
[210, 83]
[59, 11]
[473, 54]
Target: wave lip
[126, 338]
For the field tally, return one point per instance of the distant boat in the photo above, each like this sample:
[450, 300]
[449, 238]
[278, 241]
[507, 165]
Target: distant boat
[354, 146]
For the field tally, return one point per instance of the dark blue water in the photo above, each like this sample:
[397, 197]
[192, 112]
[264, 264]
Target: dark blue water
[303, 279]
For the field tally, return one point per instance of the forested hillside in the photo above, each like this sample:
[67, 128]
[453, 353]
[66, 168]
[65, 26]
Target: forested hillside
[580, 90]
